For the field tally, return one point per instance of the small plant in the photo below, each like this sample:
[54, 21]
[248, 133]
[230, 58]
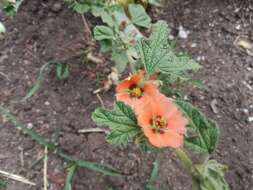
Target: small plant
[150, 110]
[142, 114]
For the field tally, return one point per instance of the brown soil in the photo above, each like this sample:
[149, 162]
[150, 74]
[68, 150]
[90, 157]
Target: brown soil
[40, 33]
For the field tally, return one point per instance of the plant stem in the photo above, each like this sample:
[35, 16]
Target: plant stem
[186, 161]
[131, 62]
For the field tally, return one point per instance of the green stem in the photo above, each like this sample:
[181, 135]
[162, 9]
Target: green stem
[131, 62]
[189, 166]
[186, 161]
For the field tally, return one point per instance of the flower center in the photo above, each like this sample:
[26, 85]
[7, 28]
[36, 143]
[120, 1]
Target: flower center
[136, 92]
[159, 124]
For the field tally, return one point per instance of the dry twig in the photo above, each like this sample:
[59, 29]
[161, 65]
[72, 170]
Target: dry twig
[94, 130]
[16, 177]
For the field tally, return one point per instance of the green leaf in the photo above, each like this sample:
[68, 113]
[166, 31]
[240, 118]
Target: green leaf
[81, 8]
[121, 120]
[120, 59]
[70, 173]
[153, 51]
[155, 2]
[139, 16]
[62, 71]
[105, 45]
[202, 133]
[178, 63]
[211, 176]
[103, 33]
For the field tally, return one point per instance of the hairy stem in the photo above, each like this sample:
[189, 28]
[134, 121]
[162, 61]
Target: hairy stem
[185, 160]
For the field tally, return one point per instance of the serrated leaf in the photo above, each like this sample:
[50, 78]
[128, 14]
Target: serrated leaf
[202, 133]
[153, 51]
[103, 33]
[121, 120]
[122, 135]
[139, 16]
[178, 63]
[211, 176]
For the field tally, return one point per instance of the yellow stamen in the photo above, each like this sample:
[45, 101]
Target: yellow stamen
[136, 92]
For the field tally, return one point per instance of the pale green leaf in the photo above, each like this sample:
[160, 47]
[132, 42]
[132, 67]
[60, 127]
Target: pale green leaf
[153, 51]
[155, 2]
[202, 133]
[178, 63]
[121, 60]
[81, 8]
[211, 176]
[103, 33]
[139, 16]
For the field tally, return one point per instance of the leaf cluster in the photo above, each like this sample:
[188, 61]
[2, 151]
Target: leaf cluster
[117, 38]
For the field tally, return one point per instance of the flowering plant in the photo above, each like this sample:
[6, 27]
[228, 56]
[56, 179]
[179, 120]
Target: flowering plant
[144, 115]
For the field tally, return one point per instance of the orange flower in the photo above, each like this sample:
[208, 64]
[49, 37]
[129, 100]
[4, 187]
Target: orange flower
[163, 124]
[136, 92]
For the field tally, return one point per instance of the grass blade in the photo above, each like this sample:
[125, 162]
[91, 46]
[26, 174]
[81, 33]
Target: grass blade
[90, 165]
[26, 130]
[153, 177]
[70, 173]
[106, 170]
[62, 73]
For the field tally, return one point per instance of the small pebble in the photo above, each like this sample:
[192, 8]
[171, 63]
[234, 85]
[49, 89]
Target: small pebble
[193, 45]
[47, 103]
[250, 119]
[57, 7]
[182, 32]
[29, 125]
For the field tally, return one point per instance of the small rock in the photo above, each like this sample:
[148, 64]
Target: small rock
[29, 125]
[250, 119]
[182, 32]
[213, 105]
[193, 45]
[47, 103]
[238, 27]
[57, 7]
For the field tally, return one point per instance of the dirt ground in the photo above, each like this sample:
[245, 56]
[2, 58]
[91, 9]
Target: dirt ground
[43, 31]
